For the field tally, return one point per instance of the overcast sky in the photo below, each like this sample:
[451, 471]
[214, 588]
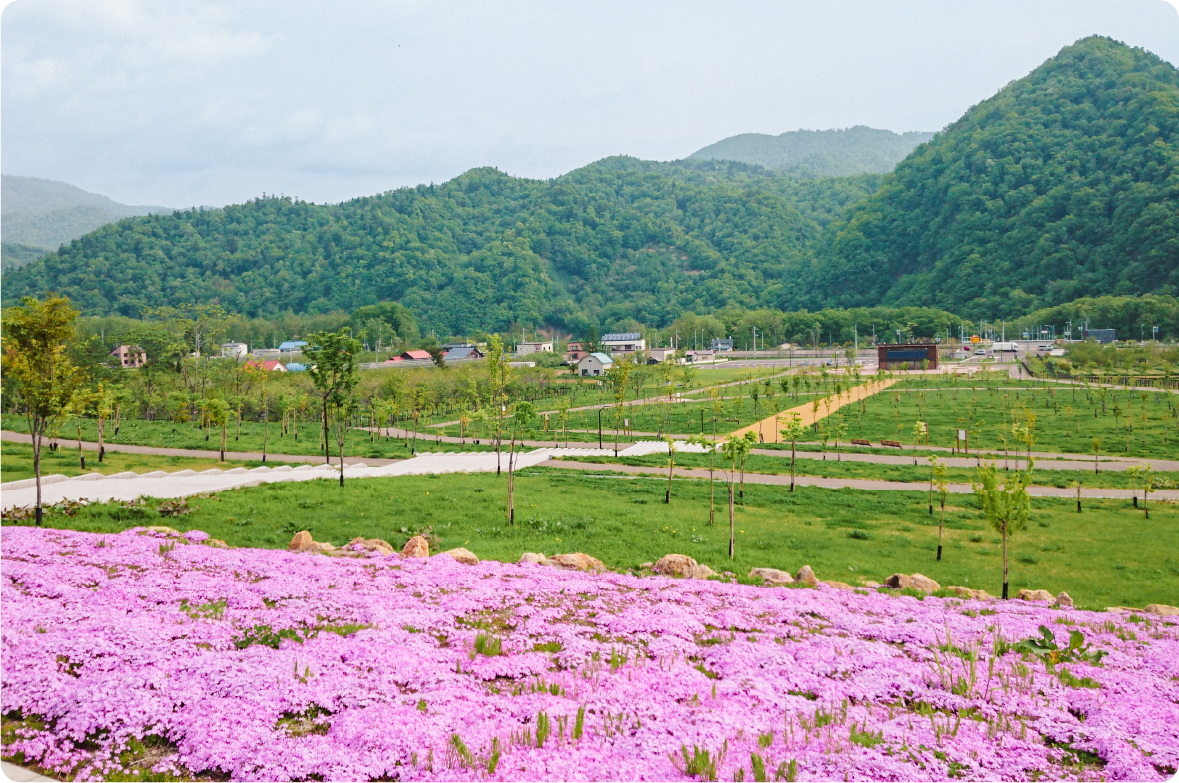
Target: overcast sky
[181, 103]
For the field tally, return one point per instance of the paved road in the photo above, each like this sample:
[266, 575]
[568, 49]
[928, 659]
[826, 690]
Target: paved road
[834, 483]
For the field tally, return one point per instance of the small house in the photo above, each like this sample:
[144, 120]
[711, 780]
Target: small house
[461, 353]
[234, 350]
[292, 346]
[523, 349]
[660, 355]
[296, 367]
[700, 357]
[594, 364]
[416, 356]
[270, 365]
[129, 356]
[575, 352]
[722, 343]
[623, 342]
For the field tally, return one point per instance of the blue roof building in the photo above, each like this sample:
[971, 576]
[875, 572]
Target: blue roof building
[292, 345]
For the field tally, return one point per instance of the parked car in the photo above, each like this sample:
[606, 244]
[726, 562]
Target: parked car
[980, 351]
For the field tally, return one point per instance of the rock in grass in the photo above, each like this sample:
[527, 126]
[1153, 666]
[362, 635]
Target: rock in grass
[1034, 595]
[372, 545]
[674, 565]
[916, 581]
[1162, 610]
[532, 557]
[969, 593]
[871, 584]
[836, 585]
[302, 542]
[702, 572]
[771, 575]
[1063, 601]
[168, 531]
[215, 542]
[464, 556]
[576, 561]
[416, 547]
[807, 575]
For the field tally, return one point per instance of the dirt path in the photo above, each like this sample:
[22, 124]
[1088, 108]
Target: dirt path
[767, 429]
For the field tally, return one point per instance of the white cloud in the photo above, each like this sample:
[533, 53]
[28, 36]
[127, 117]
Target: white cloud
[202, 102]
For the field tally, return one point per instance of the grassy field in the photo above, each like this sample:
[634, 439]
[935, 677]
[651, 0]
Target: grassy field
[186, 436]
[1067, 418]
[1108, 555]
[683, 417]
[16, 462]
[831, 468]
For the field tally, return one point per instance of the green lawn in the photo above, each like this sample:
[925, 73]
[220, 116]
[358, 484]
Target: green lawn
[16, 462]
[186, 436]
[1067, 418]
[831, 468]
[1108, 555]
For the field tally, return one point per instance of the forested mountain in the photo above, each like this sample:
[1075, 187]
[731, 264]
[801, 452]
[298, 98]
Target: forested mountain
[826, 153]
[43, 214]
[1065, 184]
[619, 238]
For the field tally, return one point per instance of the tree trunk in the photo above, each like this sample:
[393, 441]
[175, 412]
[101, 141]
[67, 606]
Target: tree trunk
[224, 433]
[35, 429]
[1004, 561]
[81, 459]
[940, 526]
[670, 473]
[732, 524]
[326, 454]
[340, 440]
[511, 481]
[265, 425]
[711, 492]
[792, 466]
[101, 449]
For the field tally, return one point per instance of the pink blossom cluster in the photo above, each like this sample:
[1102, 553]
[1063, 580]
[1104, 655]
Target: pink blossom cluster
[263, 664]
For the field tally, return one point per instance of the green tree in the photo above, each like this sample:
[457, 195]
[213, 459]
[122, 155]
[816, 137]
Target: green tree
[938, 478]
[735, 449]
[522, 415]
[792, 432]
[1007, 506]
[42, 378]
[332, 367]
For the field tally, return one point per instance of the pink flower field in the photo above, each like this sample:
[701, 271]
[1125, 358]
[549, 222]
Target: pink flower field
[139, 656]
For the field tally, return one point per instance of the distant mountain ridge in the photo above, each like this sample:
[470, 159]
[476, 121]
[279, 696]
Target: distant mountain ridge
[45, 214]
[1061, 186]
[1064, 184]
[819, 153]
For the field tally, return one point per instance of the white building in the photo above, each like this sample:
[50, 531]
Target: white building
[594, 364]
[523, 349]
[660, 355]
[234, 350]
[623, 342]
[700, 357]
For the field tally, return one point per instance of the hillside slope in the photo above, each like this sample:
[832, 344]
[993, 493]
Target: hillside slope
[44, 213]
[1064, 184]
[620, 238]
[826, 153]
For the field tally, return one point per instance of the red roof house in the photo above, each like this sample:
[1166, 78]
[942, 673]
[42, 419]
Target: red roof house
[411, 356]
[270, 365]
